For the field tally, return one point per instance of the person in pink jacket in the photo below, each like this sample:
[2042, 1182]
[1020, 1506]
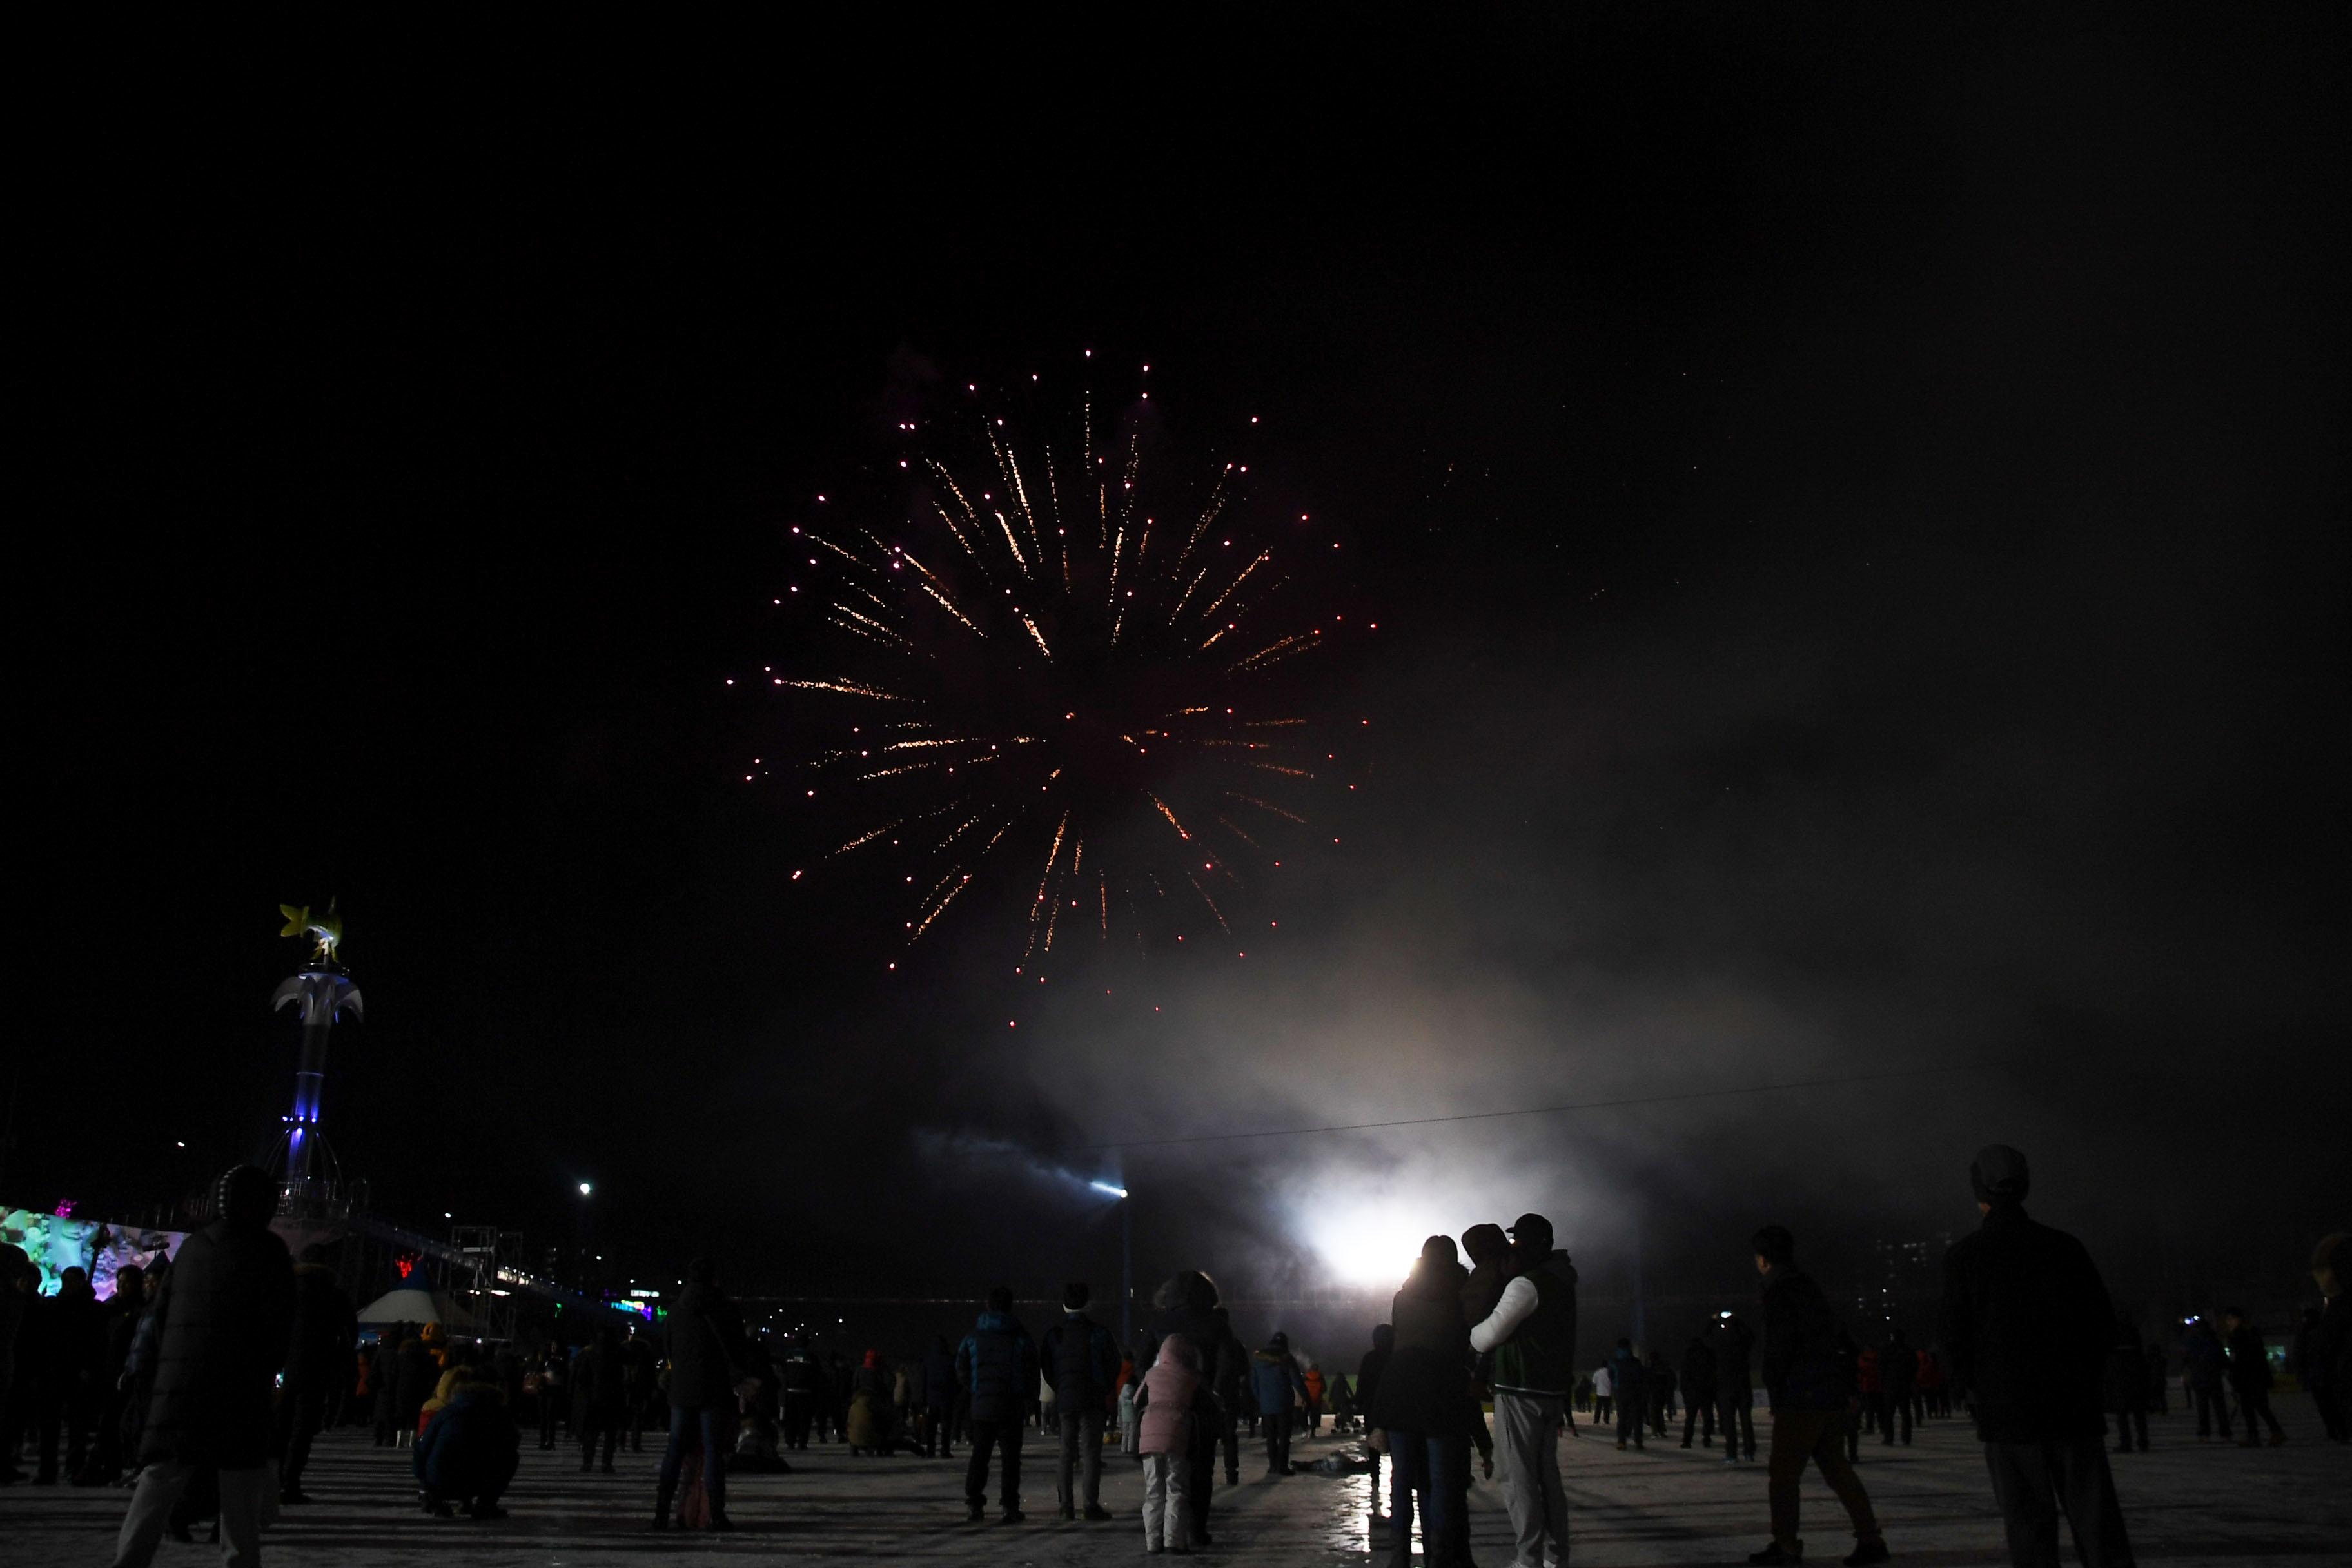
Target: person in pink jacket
[1164, 1408]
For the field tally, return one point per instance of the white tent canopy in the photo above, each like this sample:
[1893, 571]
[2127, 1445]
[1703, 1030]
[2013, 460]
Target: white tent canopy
[411, 1305]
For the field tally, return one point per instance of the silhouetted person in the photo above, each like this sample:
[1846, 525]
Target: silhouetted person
[2028, 1325]
[1080, 1361]
[1531, 1335]
[1811, 1382]
[1423, 1401]
[2250, 1378]
[1626, 1387]
[600, 1397]
[938, 1398]
[1898, 1377]
[706, 1362]
[2200, 1348]
[122, 1314]
[1228, 1374]
[318, 1366]
[222, 1322]
[803, 1382]
[19, 1280]
[1735, 1390]
[1368, 1384]
[73, 1351]
[2329, 1359]
[997, 1367]
[1699, 1391]
[2125, 1383]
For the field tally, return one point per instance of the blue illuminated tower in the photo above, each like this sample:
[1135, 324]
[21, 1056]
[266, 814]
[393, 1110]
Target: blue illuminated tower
[324, 991]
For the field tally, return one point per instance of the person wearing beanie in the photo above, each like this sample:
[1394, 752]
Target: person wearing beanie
[222, 1323]
[2027, 1324]
[1810, 1386]
[1080, 1362]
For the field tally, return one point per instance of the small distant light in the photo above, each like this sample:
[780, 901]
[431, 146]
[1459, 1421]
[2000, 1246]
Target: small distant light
[585, 1189]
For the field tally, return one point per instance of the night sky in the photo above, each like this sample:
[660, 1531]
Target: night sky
[1855, 509]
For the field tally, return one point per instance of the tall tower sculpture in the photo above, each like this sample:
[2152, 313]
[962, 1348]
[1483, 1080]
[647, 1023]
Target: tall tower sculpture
[324, 991]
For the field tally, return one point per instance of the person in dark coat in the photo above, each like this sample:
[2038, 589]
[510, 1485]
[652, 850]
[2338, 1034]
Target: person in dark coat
[2206, 1363]
[642, 1379]
[1080, 1362]
[1186, 1304]
[318, 1364]
[223, 1321]
[414, 1377]
[997, 1366]
[2328, 1362]
[706, 1362]
[938, 1398]
[1227, 1374]
[2126, 1386]
[1809, 1378]
[1367, 1383]
[1898, 1378]
[468, 1451]
[600, 1397]
[2027, 1324]
[1422, 1402]
[19, 1282]
[1625, 1388]
[121, 1315]
[73, 1351]
[2250, 1378]
[554, 1391]
[1699, 1391]
[1735, 1388]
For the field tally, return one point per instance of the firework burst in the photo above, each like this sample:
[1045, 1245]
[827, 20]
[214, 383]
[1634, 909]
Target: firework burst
[1059, 671]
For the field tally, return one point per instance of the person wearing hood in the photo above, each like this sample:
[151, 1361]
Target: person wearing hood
[1187, 1304]
[467, 1453]
[1810, 1380]
[1276, 1382]
[1530, 1332]
[706, 1363]
[318, 1363]
[869, 1407]
[1080, 1361]
[997, 1367]
[1423, 1401]
[1165, 1407]
[2027, 1324]
[222, 1322]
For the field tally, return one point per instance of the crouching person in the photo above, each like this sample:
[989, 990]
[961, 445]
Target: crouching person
[467, 1454]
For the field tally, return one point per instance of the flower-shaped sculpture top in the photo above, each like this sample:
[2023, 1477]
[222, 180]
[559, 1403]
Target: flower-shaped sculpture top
[326, 932]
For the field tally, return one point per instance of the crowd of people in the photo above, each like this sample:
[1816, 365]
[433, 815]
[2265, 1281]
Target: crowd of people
[203, 1382]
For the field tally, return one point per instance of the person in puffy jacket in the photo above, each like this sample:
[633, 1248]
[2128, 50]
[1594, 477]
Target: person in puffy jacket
[1186, 1304]
[1275, 1382]
[1811, 1384]
[869, 1407]
[1080, 1363]
[997, 1367]
[1626, 1390]
[468, 1451]
[222, 1321]
[600, 1397]
[1165, 1408]
[939, 1399]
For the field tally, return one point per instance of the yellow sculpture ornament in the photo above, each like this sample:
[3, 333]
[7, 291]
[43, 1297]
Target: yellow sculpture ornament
[326, 932]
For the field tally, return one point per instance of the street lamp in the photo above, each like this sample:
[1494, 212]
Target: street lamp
[1126, 1261]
